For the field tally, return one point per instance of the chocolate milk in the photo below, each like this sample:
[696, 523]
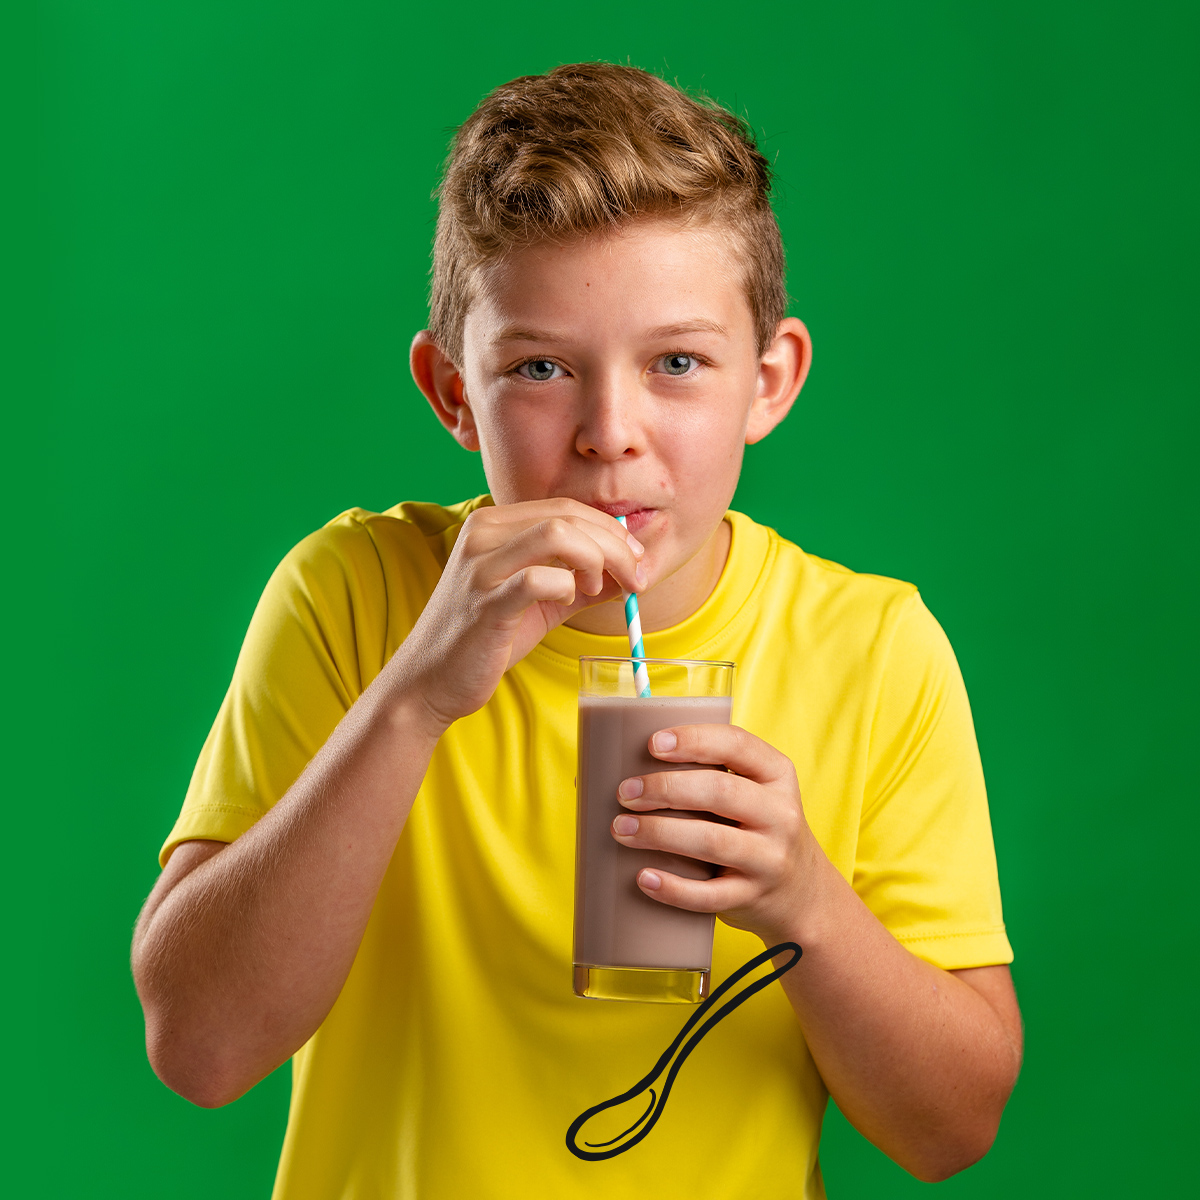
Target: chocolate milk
[615, 924]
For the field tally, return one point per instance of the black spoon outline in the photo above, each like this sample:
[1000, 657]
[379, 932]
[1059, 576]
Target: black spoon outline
[597, 1151]
[649, 1109]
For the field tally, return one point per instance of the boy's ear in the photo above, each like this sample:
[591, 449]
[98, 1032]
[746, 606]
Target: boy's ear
[782, 371]
[442, 385]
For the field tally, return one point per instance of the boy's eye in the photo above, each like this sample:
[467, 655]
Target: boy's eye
[677, 364]
[540, 369]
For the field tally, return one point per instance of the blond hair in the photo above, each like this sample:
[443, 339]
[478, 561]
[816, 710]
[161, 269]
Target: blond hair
[587, 149]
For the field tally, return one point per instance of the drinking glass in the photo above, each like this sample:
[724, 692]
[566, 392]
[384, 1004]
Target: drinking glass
[628, 946]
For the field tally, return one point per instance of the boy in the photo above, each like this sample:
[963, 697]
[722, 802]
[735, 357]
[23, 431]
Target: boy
[373, 868]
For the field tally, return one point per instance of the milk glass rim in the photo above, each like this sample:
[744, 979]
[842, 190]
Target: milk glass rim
[675, 662]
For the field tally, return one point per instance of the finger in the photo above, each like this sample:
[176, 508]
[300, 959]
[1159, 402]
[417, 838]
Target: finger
[492, 526]
[581, 547]
[696, 895]
[621, 548]
[610, 532]
[719, 792]
[533, 585]
[611, 590]
[553, 542]
[705, 841]
[529, 512]
[723, 745]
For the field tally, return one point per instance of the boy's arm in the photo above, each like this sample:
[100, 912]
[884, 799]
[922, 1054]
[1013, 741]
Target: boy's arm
[919, 1059]
[241, 951]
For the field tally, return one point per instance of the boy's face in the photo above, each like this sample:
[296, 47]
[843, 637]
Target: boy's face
[622, 371]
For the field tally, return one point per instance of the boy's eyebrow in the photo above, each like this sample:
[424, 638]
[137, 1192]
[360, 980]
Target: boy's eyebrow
[518, 333]
[699, 325]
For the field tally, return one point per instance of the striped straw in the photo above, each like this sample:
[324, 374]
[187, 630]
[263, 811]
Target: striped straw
[633, 621]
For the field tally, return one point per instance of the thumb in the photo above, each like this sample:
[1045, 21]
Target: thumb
[610, 591]
[540, 618]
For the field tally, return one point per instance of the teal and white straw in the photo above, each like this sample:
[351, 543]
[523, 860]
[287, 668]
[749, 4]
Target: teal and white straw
[633, 622]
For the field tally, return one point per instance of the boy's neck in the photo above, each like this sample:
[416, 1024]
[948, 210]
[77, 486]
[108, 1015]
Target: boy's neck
[671, 600]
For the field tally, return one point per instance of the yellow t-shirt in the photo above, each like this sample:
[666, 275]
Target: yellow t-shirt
[457, 1055]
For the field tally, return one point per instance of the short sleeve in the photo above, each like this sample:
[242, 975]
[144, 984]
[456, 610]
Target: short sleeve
[926, 863]
[316, 640]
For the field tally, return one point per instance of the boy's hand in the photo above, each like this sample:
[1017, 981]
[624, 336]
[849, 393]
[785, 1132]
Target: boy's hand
[766, 859]
[516, 572]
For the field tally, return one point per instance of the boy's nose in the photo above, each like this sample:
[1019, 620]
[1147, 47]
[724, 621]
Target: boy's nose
[610, 425]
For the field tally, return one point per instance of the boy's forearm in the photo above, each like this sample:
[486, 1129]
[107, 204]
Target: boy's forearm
[239, 961]
[918, 1059]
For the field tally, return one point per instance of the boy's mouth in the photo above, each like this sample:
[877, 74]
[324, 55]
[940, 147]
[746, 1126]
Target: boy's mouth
[637, 517]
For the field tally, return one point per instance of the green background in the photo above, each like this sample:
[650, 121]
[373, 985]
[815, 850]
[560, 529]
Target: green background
[219, 238]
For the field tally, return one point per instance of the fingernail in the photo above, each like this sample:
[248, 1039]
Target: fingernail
[634, 544]
[650, 881]
[639, 575]
[664, 741]
[630, 789]
[625, 825]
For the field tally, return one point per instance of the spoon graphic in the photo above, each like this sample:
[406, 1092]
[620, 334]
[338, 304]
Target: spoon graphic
[698, 1024]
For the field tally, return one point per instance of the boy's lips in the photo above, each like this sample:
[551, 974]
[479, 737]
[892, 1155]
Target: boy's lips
[637, 516]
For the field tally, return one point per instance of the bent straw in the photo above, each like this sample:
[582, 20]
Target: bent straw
[633, 623]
